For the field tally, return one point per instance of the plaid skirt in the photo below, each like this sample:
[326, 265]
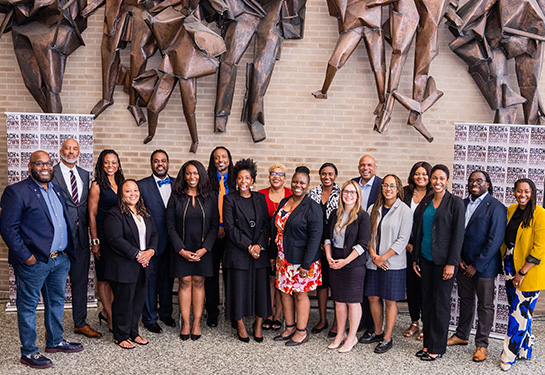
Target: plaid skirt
[388, 285]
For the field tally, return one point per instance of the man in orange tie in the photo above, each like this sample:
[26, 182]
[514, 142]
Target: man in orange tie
[220, 172]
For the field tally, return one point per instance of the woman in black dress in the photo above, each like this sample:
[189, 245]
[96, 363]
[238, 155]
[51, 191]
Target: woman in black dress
[245, 260]
[132, 241]
[102, 198]
[192, 222]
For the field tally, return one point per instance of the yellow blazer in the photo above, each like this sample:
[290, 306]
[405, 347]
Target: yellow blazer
[530, 240]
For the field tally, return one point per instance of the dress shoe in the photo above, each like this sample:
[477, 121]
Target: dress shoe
[317, 329]
[195, 337]
[505, 366]
[455, 340]
[346, 348]
[212, 321]
[65, 347]
[184, 337]
[371, 337]
[36, 361]
[331, 334]
[480, 354]
[169, 321]
[88, 331]
[284, 338]
[384, 346]
[292, 342]
[243, 339]
[429, 358]
[421, 353]
[153, 327]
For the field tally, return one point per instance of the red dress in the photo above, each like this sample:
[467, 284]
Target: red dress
[287, 274]
[272, 206]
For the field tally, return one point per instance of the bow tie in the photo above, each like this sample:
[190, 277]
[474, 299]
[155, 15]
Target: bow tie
[164, 182]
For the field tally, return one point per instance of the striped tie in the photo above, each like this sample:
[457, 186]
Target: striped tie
[74, 186]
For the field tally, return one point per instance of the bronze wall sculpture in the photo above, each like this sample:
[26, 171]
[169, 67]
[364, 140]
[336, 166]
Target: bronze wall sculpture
[270, 21]
[488, 34]
[362, 20]
[44, 34]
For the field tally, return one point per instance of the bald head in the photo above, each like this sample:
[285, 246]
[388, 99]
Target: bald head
[367, 168]
[69, 152]
[40, 167]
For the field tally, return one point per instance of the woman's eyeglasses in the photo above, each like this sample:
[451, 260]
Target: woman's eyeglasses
[391, 187]
[279, 174]
[352, 193]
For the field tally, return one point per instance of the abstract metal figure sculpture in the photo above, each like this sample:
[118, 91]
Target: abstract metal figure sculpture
[44, 34]
[270, 21]
[123, 24]
[488, 34]
[190, 50]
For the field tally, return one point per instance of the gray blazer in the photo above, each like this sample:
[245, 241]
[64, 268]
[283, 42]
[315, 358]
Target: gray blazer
[395, 233]
[81, 233]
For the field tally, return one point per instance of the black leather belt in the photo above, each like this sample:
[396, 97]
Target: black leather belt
[55, 254]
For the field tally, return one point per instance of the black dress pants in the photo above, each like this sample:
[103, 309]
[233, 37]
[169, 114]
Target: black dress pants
[79, 277]
[129, 299]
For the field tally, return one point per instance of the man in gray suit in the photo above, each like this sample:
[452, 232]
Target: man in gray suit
[74, 182]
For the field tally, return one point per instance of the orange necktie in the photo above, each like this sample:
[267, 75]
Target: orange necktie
[220, 198]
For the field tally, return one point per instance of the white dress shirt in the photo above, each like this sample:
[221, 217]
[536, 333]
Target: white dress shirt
[164, 190]
[66, 175]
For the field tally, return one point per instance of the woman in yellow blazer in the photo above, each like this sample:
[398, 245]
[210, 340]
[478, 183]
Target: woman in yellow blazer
[523, 251]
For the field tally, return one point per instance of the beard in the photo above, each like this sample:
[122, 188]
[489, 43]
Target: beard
[35, 175]
[64, 158]
[160, 174]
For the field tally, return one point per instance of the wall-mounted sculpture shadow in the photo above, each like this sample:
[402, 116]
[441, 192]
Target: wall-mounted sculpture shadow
[268, 22]
[44, 34]
[488, 34]
[190, 50]
[407, 19]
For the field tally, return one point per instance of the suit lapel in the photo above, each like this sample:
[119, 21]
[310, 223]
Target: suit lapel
[134, 229]
[479, 210]
[84, 175]
[155, 191]
[38, 193]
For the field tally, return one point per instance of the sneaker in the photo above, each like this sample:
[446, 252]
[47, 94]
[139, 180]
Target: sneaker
[370, 337]
[65, 347]
[383, 346]
[36, 361]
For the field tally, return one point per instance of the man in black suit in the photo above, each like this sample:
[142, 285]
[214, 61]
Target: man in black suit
[370, 188]
[74, 182]
[156, 190]
[35, 226]
[485, 222]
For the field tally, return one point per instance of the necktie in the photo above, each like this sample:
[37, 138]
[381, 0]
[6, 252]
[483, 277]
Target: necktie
[220, 197]
[166, 181]
[74, 187]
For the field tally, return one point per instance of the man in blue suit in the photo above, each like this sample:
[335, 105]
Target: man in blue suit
[155, 190]
[36, 228]
[486, 219]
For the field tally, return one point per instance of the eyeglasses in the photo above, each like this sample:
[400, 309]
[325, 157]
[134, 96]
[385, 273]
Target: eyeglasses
[40, 164]
[386, 186]
[479, 181]
[352, 193]
[279, 174]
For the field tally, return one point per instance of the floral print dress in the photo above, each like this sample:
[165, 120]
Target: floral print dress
[287, 274]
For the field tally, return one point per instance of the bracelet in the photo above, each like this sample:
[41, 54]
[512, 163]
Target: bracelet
[522, 273]
[95, 241]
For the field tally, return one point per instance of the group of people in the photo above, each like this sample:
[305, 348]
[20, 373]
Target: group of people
[369, 243]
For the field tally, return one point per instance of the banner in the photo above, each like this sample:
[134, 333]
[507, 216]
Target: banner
[507, 153]
[28, 132]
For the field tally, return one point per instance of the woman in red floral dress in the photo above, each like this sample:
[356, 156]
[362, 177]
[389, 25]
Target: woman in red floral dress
[297, 231]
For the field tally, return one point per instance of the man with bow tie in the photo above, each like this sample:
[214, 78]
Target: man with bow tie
[155, 190]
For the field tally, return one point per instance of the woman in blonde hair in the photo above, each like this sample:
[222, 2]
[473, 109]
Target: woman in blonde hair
[391, 225]
[346, 240]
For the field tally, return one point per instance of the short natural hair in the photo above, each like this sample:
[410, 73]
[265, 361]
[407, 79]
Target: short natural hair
[278, 166]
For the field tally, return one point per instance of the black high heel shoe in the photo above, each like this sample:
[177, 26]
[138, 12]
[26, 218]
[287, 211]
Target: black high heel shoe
[292, 342]
[195, 337]
[429, 358]
[184, 337]
[285, 338]
[101, 318]
[243, 339]
[257, 338]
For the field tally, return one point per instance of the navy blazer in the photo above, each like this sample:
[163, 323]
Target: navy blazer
[357, 232]
[76, 213]
[302, 233]
[123, 240]
[25, 222]
[447, 235]
[239, 231]
[375, 190]
[149, 191]
[484, 235]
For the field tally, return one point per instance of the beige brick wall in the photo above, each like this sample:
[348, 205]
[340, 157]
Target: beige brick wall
[300, 129]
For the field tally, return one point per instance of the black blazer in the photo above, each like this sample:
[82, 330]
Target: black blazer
[375, 190]
[357, 233]
[302, 233]
[447, 235]
[175, 221]
[121, 234]
[239, 231]
[149, 191]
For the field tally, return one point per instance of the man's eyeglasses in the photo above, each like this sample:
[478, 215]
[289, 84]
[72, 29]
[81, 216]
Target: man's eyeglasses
[40, 164]
[279, 174]
[479, 181]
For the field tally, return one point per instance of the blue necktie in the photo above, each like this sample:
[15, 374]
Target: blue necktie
[163, 182]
